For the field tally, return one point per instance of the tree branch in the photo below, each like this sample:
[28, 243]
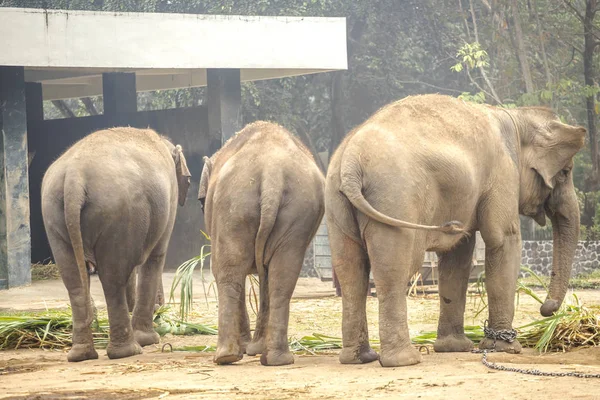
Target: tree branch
[430, 85]
[575, 10]
[481, 70]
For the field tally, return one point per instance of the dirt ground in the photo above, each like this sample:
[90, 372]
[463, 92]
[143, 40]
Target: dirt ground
[39, 374]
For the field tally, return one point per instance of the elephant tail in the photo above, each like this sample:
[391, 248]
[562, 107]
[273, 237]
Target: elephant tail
[74, 200]
[269, 207]
[351, 187]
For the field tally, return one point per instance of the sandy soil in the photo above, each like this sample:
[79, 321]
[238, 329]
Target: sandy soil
[39, 374]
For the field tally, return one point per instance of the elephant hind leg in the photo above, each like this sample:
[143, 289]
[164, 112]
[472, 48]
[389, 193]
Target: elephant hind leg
[283, 271]
[230, 276]
[131, 292]
[257, 345]
[351, 265]
[454, 268]
[149, 275]
[114, 284]
[83, 313]
[395, 255]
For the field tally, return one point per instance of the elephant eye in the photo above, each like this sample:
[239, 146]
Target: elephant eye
[566, 171]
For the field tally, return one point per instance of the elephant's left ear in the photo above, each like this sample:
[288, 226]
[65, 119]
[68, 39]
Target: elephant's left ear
[554, 151]
[180, 162]
[183, 174]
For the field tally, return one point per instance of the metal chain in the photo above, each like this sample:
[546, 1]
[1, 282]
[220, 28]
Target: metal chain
[509, 335]
[536, 372]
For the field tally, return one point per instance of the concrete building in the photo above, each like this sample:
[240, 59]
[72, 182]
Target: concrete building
[56, 54]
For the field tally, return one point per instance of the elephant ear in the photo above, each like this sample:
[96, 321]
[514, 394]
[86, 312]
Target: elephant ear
[204, 178]
[555, 149]
[183, 174]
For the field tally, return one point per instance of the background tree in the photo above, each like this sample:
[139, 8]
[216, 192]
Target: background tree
[506, 52]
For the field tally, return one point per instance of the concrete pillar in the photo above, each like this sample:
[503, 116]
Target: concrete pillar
[118, 95]
[15, 240]
[224, 95]
[37, 143]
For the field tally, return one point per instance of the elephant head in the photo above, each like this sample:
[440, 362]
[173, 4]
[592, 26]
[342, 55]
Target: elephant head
[546, 188]
[204, 178]
[181, 169]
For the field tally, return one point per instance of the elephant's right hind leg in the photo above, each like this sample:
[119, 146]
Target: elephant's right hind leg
[257, 345]
[83, 343]
[122, 343]
[351, 266]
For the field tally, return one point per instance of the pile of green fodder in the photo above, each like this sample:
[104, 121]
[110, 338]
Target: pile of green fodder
[53, 329]
[573, 325]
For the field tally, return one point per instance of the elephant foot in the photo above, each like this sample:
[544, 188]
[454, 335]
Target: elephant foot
[82, 352]
[501, 346]
[400, 358]
[227, 356]
[146, 338]
[453, 344]
[274, 358]
[255, 347]
[362, 355]
[123, 350]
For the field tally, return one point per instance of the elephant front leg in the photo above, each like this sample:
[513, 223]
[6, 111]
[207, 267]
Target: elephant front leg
[454, 269]
[501, 271]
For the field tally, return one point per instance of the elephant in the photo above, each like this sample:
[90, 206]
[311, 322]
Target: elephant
[424, 174]
[109, 203]
[262, 198]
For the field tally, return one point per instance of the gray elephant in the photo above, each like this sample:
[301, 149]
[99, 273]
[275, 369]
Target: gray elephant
[109, 203]
[262, 196]
[430, 159]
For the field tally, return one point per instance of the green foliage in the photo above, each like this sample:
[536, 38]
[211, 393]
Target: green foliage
[184, 277]
[396, 49]
[471, 56]
[478, 97]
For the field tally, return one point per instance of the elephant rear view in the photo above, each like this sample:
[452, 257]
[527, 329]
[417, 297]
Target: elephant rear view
[109, 203]
[262, 196]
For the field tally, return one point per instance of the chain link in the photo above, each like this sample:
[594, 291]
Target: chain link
[509, 335]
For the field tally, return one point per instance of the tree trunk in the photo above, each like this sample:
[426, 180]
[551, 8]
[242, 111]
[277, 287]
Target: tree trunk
[89, 105]
[63, 108]
[521, 52]
[542, 46]
[588, 70]
[338, 129]
[305, 138]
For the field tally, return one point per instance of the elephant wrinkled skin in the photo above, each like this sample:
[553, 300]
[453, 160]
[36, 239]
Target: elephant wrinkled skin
[262, 196]
[430, 159]
[109, 203]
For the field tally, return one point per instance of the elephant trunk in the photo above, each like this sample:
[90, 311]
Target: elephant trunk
[565, 224]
